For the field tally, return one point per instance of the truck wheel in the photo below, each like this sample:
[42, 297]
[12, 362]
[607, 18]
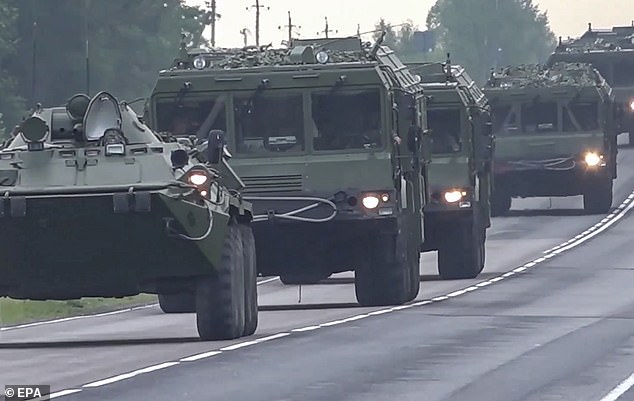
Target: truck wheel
[250, 281]
[177, 303]
[414, 270]
[220, 298]
[385, 277]
[302, 279]
[500, 204]
[462, 253]
[597, 198]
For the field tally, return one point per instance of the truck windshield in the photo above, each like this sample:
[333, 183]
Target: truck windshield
[540, 117]
[445, 130]
[269, 122]
[191, 116]
[581, 117]
[347, 119]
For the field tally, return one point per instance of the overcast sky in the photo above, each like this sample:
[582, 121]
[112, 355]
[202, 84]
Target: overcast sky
[567, 17]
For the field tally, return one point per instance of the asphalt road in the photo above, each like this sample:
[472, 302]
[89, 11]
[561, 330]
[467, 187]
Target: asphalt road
[560, 331]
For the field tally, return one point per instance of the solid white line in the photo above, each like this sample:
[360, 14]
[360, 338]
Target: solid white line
[268, 280]
[619, 390]
[198, 357]
[129, 375]
[64, 393]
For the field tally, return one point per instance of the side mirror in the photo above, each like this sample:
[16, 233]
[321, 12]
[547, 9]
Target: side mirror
[215, 146]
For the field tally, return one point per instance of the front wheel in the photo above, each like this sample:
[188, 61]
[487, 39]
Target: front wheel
[462, 253]
[597, 198]
[220, 299]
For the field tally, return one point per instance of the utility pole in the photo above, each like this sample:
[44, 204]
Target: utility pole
[326, 30]
[290, 27]
[257, 7]
[86, 34]
[244, 32]
[213, 18]
[359, 30]
[34, 63]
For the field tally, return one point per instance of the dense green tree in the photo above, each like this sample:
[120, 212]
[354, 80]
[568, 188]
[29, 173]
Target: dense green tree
[128, 43]
[486, 34]
[11, 105]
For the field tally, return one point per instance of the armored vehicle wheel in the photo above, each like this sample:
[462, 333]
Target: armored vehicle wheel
[462, 253]
[385, 277]
[177, 303]
[597, 198]
[414, 260]
[220, 298]
[500, 204]
[302, 279]
[250, 281]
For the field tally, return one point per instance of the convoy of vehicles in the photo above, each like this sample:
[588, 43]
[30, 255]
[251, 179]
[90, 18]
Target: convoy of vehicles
[555, 134]
[612, 53]
[95, 204]
[458, 214]
[328, 138]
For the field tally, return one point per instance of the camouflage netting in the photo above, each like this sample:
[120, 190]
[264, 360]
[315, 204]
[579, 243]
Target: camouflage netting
[539, 76]
[254, 57]
[614, 40]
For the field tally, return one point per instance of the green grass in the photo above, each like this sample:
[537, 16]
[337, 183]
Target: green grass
[18, 311]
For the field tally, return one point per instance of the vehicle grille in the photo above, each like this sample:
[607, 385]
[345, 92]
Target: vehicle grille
[273, 183]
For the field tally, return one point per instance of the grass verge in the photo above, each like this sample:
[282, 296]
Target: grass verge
[14, 311]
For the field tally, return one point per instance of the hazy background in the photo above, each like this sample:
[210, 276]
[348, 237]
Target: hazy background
[567, 17]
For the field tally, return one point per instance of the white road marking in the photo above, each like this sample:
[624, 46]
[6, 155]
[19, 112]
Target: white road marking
[619, 390]
[129, 375]
[64, 392]
[624, 209]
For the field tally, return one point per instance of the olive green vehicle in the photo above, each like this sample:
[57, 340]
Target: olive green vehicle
[555, 135]
[612, 53]
[327, 136]
[95, 204]
[459, 212]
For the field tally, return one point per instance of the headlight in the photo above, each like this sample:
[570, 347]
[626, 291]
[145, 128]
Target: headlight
[198, 178]
[592, 159]
[632, 106]
[115, 149]
[322, 57]
[454, 196]
[370, 202]
[199, 63]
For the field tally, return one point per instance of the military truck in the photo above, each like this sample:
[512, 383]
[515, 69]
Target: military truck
[555, 134]
[95, 204]
[612, 53]
[329, 142]
[458, 214]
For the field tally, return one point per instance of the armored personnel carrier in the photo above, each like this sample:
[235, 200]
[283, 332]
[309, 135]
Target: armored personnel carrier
[95, 204]
[612, 53]
[555, 134]
[328, 138]
[458, 214]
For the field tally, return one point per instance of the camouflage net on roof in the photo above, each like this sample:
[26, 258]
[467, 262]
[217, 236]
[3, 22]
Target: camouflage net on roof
[539, 76]
[616, 39]
[254, 57]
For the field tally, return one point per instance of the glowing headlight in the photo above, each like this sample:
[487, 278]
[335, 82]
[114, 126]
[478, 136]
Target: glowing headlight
[370, 202]
[198, 179]
[322, 57]
[199, 63]
[632, 106]
[454, 195]
[592, 159]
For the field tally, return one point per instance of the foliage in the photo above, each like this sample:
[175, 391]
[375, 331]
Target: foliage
[491, 33]
[128, 43]
[11, 105]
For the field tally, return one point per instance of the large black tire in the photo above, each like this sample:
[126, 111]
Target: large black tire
[414, 269]
[177, 303]
[462, 253]
[385, 276]
[597, 198]
[250, 280]
[220, 298]
[500, 203]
